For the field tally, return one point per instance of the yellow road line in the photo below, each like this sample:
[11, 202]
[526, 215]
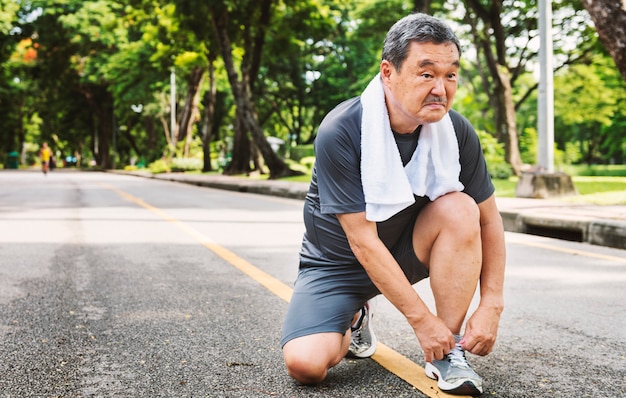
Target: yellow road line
[389, 359]
[566, 250]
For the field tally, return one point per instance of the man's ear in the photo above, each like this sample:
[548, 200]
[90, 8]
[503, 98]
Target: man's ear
[386, 70]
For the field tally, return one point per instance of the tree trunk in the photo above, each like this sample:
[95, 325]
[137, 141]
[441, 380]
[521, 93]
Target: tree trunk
[609, 16]
[209, 114]
[491, 42]
[151, 143]
[190, 111]
[422, 6]
[507, 108]
[101, 105]
[21, 133]
[240, 152]
[247, 120]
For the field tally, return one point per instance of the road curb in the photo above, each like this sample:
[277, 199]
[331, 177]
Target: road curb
[592, 229]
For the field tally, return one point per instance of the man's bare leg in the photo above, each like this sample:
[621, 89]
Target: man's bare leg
[309, 358]
[447, 240]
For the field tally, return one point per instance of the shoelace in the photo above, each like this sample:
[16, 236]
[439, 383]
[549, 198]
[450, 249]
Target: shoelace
[356, 336]
[456, 357]
[359, 322]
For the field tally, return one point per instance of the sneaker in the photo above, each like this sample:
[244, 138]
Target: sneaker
[454, 375]
[363, 343]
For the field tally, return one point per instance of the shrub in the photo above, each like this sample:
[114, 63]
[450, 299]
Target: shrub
[301, 151]
[159, 166]
[296, 166]
[186, 164]
[308, 162]
[494, 156]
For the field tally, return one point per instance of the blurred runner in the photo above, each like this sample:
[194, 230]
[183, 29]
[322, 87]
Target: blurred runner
[45, 154]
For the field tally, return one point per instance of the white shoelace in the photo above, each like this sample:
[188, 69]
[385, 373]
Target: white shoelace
[457, 357]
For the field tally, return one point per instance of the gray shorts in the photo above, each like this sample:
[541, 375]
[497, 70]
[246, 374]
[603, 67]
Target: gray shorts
[325, 299]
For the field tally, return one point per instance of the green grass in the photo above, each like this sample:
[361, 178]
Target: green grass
[609, 170]
[596, 190]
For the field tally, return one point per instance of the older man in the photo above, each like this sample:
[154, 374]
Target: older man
[399, 192]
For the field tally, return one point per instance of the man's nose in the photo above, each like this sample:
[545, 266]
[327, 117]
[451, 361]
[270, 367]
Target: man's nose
[439, 88]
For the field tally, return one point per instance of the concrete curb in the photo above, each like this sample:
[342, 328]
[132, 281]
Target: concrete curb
[595, 225]
[601, 232]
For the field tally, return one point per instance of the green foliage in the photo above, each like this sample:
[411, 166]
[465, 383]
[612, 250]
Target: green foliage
[97, 60]
[529, 145]
[186, 164]
[590, 109]
[8, 12]
[298, 166]
[308, 162]
[299, 152]
[570, 155]
[159, 166]
[494, 156]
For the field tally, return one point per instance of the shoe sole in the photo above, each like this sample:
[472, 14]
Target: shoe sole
[462, 387]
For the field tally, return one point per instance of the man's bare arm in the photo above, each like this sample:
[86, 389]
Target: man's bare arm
[434, 337]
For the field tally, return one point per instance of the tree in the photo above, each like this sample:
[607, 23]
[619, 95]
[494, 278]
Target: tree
[609, 17]
[75, 40]
[504, 33]
[590, 109]
[252, 69]
[17, 56]
[257, 18]
[302, 34]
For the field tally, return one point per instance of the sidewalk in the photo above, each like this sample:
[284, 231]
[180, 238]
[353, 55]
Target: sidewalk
[597, 225]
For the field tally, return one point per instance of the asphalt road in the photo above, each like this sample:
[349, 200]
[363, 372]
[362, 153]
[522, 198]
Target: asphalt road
[117, 286]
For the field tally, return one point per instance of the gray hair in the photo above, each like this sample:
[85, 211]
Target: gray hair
[419, 28]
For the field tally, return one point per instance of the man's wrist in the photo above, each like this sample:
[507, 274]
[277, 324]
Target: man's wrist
[494, 303]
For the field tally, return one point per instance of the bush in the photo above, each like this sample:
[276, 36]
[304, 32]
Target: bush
[529, 145]
[296, 166]
[494, 156]
[301, 151]
[499, 170]
[308, 162]
[186, 164]
[159, 166]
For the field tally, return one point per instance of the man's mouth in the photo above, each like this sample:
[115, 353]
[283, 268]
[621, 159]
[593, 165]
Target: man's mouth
[436, 101]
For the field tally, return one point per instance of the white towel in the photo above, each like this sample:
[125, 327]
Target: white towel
[433, 170]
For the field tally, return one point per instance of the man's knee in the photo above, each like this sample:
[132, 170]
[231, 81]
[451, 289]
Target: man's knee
[459, 212]
[308, 358]
[305, 369]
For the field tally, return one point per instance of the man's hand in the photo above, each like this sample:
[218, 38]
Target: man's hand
[481, 331]
[434, 337]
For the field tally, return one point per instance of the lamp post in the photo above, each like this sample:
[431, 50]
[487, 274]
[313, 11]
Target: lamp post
[544, 182]
[546, 89]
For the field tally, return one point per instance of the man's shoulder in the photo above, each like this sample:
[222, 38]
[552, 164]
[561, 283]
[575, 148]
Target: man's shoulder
[462, 127]
[458, 120]
[346, 113]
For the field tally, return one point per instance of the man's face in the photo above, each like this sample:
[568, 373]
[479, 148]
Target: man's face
[423, 90]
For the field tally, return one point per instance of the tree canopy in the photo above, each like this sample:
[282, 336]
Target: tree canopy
[94, 77]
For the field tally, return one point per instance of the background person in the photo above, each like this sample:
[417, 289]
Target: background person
[45, 154]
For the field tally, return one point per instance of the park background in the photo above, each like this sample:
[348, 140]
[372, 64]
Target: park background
[238, 87]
